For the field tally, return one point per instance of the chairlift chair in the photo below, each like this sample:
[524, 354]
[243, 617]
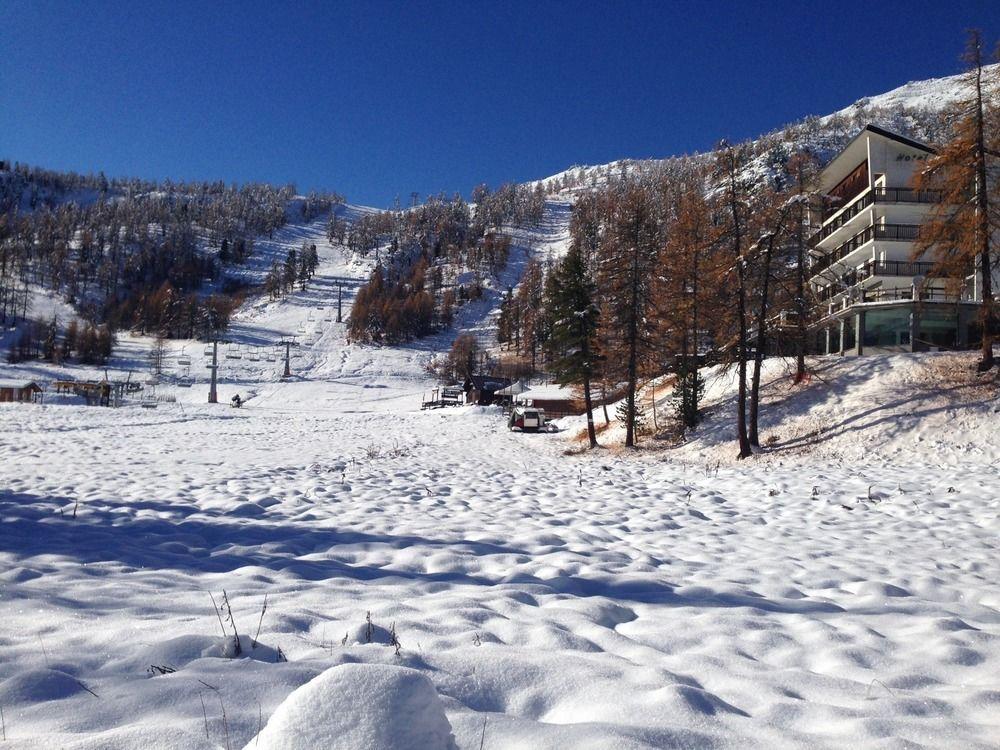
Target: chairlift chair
[254, 356]
[184, 360]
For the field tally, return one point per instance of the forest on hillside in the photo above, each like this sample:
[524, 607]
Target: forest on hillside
[432, 258]
[128, 254]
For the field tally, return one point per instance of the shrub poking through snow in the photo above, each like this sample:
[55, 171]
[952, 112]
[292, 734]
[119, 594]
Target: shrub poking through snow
[260, 622]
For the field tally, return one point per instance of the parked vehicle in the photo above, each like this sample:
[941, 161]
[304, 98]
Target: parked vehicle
[526, 419]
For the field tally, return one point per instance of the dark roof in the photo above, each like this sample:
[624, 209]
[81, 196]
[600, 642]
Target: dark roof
[893, 137]
[487, 383]
[19, 384]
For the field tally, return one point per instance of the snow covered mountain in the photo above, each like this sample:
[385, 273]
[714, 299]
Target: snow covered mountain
[913, 109]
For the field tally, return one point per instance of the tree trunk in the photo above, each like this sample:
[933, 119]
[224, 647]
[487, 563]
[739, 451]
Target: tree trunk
[741, 312]
[588, 404]
[587, 401]
[633, 350]
[983, 219]
[753, 435]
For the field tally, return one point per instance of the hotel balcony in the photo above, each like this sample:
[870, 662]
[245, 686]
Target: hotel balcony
[840, 217]
[882, 232]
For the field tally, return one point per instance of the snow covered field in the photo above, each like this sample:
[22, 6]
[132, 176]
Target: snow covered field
[843, 590]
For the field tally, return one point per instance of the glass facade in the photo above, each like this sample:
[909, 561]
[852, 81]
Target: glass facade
[887, 328]
[938, 328]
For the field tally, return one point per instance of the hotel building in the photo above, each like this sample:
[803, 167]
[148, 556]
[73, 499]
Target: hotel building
[874, 295]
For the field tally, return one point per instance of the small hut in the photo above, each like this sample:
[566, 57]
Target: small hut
[480, 389]
[22, 391]
[555, 400]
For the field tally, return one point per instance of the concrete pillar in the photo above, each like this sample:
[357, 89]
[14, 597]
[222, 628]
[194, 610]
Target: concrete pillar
[859, 333]
[826, 336]
[962, 334]
[843, 330]
[914, 325]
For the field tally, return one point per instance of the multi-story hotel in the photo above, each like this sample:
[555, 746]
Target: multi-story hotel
[874, 296]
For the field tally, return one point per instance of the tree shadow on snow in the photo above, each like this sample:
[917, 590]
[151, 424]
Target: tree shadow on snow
[190, 540]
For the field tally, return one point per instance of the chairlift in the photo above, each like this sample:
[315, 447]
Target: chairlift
[184, 360]
[148, 401]
[207, 350]
[254, 355]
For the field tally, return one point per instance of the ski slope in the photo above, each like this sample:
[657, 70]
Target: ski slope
[842, 589]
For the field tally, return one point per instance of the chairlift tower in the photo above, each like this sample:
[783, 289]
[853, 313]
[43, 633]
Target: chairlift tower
[213, 393]
[288, 344]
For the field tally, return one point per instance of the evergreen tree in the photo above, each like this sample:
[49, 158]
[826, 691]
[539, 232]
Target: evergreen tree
[626, 273]
[730, 168]
[291, 271]
[570, 301]
[70, 338]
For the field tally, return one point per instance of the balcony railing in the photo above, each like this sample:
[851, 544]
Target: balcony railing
[883, 294]
[849, 212]
[875, 195]
[896, 268]
[905, 195]
[900, 232]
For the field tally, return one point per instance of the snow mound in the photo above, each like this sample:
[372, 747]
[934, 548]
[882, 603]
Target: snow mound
[37, 685]
[359, 706]
[180, 651]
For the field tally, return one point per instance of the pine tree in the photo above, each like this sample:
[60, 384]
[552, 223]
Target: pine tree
[529, 302]
[570, 302]
[69, 342]
[730, 165]
[685, 302]
[962, 230]
[291, 271]
[626, 271]
[50, 348]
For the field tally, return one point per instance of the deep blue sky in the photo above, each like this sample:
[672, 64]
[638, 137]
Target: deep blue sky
[377, 99]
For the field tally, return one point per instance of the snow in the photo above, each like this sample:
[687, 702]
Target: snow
[360, 706]
[931, 94]
[546, 392]
[839, 589]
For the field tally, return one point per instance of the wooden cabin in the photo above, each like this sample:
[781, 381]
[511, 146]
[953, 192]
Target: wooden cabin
[23, 391]
[481, 389]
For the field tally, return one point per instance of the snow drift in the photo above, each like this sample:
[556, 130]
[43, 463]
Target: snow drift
[360, 707]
